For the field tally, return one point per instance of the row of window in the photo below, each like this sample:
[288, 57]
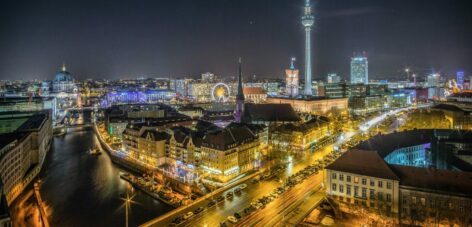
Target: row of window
[362, 193]
[363, 180]
[432, 203]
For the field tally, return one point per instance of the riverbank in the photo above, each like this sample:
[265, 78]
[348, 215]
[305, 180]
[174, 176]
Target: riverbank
[121, 161]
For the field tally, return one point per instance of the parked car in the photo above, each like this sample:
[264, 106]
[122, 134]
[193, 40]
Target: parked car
[188, 215]
[237, 215]
[237, 190]
[177, 220]
[211, 203]
[198, 210]
[232, 219]
[220, 198]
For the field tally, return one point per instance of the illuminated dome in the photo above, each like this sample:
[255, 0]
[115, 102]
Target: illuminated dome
[63, 76]
[63, 82]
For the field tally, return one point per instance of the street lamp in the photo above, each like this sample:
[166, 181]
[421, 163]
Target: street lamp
[128, 200]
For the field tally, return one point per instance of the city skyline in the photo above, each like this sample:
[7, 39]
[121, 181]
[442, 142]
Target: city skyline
[127, 41]
[235, 113]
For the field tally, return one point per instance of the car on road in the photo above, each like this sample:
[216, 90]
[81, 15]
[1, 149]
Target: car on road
[237, 190]
[220, 198]
[254, 181]
[243, 186]
[188, 215]
[248, 210]
[198, 210]
[177, 220]
[211, 203]
[223, 224]
[237, 215]
[229, 195]
[232, 219]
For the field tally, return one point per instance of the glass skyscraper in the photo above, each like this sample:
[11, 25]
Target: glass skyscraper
[359, 70]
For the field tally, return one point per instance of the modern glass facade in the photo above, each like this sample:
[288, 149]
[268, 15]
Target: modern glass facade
[359, 70]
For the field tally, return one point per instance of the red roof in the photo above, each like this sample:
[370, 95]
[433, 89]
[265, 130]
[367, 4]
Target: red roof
[254, 91]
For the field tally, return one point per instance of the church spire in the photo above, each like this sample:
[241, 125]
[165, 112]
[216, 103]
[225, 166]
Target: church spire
[240, 95]
[64, 67]
[239, 110]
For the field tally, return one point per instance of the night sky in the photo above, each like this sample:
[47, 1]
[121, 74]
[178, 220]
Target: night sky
[176, 38]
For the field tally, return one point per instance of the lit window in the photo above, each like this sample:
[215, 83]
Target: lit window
[356, 180]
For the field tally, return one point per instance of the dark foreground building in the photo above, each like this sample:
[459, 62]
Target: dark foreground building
[414, 177]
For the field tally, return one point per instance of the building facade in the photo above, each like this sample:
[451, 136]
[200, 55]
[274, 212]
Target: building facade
[359, 69]
[292, 84]
[22, 153]
[314, 105]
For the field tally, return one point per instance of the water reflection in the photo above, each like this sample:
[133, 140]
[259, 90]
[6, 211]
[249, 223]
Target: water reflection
[85, 190]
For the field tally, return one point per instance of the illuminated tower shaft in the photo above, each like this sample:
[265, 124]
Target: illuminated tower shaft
[307, 22]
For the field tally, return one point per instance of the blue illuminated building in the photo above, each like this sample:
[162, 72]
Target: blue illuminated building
[136, 97]
[460, 79]
[436, 148]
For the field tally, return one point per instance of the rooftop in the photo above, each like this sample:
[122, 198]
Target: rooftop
[254, 90]
[303, 98]
[7, 138]
[34, 122]
[384, 144]
[269, 112]
[433, 179]
[228, 137]
[452, 107]
[315, 122]
[363, 162]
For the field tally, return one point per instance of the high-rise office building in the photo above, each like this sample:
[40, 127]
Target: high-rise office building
[359, 69]
[208, 77]
[333, 78]
[291, 80]
[433, 80]
[460, 79]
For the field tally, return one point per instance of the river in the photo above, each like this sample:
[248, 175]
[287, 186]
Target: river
[84, 190]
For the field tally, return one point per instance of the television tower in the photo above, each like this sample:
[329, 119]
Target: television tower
[307, 21]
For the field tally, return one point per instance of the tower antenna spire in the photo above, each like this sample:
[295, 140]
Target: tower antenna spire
[307, 21]
[292, 62]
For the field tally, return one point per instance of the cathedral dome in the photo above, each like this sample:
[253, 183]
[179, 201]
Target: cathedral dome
[63, 76]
